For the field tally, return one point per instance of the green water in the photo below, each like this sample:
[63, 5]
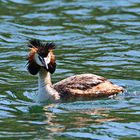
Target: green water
[94, 36]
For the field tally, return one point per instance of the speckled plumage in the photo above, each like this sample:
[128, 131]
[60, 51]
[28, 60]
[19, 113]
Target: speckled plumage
[86, 86]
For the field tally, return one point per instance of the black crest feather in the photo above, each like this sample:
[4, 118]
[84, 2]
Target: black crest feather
[34, 43]
[43, 48]
[38, 44]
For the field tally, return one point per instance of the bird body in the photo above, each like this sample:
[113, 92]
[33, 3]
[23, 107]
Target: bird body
[86, 86]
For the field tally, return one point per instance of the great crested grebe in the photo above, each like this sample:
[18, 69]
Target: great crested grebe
[42, 60]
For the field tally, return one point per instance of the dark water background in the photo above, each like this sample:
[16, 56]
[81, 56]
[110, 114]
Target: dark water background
[94, 36]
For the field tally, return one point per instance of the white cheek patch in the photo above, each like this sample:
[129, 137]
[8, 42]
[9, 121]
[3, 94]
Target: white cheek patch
[47, 60]
[37, 60]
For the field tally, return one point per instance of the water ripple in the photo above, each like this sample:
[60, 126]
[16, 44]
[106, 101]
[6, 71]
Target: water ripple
[100, 37]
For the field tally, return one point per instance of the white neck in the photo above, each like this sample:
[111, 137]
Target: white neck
[46, 90]
[44, 78]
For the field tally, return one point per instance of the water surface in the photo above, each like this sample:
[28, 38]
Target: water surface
[100, 37]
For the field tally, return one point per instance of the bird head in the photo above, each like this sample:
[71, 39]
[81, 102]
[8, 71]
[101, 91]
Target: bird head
[41, 55]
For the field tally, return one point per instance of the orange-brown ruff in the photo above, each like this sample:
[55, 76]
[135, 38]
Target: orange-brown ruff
[84, 86]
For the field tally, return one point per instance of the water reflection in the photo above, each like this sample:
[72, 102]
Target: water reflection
[69, 122]
[59, 120]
